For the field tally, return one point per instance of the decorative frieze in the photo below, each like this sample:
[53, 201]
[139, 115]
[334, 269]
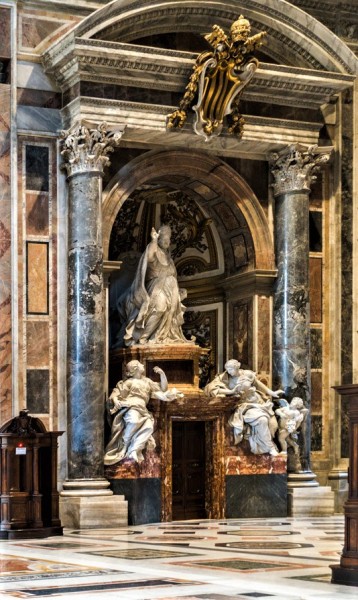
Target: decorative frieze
[294, 168]
[86, 150]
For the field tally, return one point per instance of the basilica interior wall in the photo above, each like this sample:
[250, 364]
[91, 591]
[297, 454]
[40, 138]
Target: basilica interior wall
[234, 318]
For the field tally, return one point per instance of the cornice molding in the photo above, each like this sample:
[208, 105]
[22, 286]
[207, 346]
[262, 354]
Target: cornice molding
[152, 68]
[127, 21]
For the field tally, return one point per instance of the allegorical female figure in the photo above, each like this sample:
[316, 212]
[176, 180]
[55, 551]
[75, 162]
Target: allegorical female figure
[254, 417]
[152, 311]
[133, 424]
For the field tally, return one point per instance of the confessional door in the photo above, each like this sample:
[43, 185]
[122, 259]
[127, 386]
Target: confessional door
[189, 464]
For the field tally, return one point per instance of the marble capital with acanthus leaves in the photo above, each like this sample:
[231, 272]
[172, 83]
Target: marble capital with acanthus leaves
[86, 149]
[294, 168]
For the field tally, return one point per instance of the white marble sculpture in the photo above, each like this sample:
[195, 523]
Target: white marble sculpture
[132, 424]
[152, 311]
[254, 417]
[290, 418]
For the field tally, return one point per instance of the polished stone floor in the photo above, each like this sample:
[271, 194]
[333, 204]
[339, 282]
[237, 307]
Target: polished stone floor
[277, 559]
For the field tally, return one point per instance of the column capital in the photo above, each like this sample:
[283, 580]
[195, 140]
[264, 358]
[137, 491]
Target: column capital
[86, 150]
[294, 167]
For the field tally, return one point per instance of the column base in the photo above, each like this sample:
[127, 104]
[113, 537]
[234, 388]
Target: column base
[338, 480]
[306, 497]
[86, 504]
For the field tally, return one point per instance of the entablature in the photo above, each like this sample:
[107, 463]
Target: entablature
[129, 65]
[145, 127]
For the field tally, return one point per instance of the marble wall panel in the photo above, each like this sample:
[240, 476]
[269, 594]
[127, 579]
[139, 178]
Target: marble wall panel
[128, 469]
[242, 327]
[239, 460]
[37, 279]
[143, 496]
[347, 238]
[316, 393]
[42, 98]
[37, 343]
[316, 191]
[5, 33]
[33, 31]
[315, 231]
[37, 118]
[264, 345]
[344, 428]
[5, 254]
[37, 272]
[37, 213]
[316, 348]
[227, 216]
[239, 248]
[38, 391]
[256, 496]
[316, 289]
[316, 433]
[36, 26]
[37, 168]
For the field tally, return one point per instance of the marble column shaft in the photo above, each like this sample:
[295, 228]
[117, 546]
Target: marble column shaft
[86, 358]
[85, 151]
[293, 171]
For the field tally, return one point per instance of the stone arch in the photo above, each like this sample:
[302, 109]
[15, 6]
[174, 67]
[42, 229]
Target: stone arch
[204, 168]
[293, 34]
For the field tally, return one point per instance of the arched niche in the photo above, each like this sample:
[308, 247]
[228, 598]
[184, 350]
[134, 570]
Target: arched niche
[217, 180]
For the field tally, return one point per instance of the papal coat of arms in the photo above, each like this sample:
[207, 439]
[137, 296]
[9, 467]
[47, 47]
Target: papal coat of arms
[218, 79]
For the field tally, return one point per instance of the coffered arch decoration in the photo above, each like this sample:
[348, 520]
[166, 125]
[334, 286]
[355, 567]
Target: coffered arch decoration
[219, 191]
[293, 36]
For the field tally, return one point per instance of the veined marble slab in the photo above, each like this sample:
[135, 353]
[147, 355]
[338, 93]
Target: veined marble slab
[32, 118]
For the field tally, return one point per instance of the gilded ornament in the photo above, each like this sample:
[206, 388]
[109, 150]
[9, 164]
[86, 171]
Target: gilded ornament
[218, 79]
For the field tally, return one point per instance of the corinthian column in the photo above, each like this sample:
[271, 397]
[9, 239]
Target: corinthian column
[86, 154]
[294, 170]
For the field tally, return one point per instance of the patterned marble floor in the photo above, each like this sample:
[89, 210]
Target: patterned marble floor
[276, 559]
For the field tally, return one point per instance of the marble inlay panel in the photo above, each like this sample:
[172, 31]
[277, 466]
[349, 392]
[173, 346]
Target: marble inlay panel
[45, 99]
[87, 588]
[5, 248]
[38, 390]
[315, 231]
[5, 32]
[316, 397]
[264, 338]
[316, 289]
[37, 343]
[239, 249]
[37, 213]
[227, 216]
[242, 345]
[129, 469]
[37, 278]
[347, 239]
[316, 433]
[138, 553]
[316, 348]
[37, 168]
[33, 30]
[240, 564]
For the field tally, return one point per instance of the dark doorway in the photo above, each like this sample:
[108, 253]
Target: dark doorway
[189, 470]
